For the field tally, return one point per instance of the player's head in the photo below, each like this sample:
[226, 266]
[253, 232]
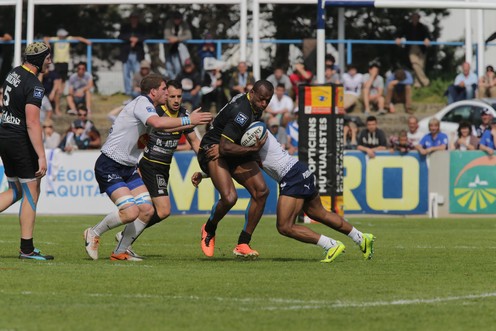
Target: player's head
[260, 95]
[174, 95]
[153, 85]
[38, 55]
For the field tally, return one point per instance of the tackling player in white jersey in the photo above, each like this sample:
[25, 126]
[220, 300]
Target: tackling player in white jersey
[116, 168]
[297, 192]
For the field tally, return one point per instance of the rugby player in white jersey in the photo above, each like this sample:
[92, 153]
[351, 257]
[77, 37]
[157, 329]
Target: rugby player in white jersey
[297, 192]
[116, 168]
[154, 166]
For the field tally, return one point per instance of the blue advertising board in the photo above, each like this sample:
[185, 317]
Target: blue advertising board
[387, 184]
[185, 198]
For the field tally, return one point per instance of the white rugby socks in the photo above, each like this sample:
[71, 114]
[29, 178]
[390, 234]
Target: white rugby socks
[356, 236]
[130, 233]
[326, 242]
[111, 221]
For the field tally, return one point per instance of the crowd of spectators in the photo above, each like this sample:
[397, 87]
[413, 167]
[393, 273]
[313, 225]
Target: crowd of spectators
[469, 137]
[210, 84]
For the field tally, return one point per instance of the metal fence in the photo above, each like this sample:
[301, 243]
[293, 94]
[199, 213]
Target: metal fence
[110, 79]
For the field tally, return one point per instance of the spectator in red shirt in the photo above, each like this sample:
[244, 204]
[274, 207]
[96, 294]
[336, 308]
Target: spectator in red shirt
[299, 76]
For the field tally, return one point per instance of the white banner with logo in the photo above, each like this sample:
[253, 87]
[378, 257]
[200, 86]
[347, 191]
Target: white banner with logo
[69, 187]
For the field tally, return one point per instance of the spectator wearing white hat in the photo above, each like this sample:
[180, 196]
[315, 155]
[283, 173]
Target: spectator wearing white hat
[145, 70]
[486, 117]
[277, 131]
[62, 51]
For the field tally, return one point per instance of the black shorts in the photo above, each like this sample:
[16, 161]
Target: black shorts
[232, 162]
[62, 69]
[19, 158]
[155, 176]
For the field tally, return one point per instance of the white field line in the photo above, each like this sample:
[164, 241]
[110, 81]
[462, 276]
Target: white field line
[379, 303]
[285, 304]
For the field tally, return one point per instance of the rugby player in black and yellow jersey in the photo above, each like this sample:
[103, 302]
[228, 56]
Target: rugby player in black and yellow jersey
[224, 159]
[21, 143]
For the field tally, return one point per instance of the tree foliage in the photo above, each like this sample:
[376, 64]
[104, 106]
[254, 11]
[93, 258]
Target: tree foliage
[222, 22]
[361, 24]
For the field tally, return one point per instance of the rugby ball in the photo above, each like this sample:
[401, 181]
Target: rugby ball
[255, 130]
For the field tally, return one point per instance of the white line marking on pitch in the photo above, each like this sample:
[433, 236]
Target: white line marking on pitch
[293, 304]
[297, 304]
[380, 303]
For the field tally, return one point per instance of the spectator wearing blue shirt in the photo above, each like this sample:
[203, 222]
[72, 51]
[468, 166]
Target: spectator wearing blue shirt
[488, 139]
[433, 141]
[399, 90]
[292, 134]
[464, 86]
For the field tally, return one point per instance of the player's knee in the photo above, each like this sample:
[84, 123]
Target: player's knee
[129, 214]
[163, 213]
[285, 229]
[145, 212]
[145, 205]
[230, 199]
[262, 193]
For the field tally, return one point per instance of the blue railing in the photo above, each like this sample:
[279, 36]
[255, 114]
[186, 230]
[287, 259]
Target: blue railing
[220, 42]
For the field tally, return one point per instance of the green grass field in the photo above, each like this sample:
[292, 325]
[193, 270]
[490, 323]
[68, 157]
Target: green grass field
[425, 275]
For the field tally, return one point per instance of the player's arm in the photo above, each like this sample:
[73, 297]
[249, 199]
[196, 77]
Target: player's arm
[227, 147]
[194, 141]
[34, 132]
[180, 123]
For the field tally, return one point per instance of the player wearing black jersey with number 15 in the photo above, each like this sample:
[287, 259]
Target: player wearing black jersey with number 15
[21, 144]
[223, 158]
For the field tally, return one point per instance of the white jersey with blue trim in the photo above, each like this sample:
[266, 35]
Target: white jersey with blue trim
[276, 161]
[127, 136]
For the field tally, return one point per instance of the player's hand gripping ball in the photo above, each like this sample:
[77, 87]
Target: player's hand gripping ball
[256, 130]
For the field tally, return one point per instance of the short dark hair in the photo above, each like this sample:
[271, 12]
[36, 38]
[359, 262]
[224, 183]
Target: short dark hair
[281, 85]
[150, 82]
[330, 57]
[400, 74]
[371, 119]
[81, 106]
[81, 63]
[262, 83]
[174, 83]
